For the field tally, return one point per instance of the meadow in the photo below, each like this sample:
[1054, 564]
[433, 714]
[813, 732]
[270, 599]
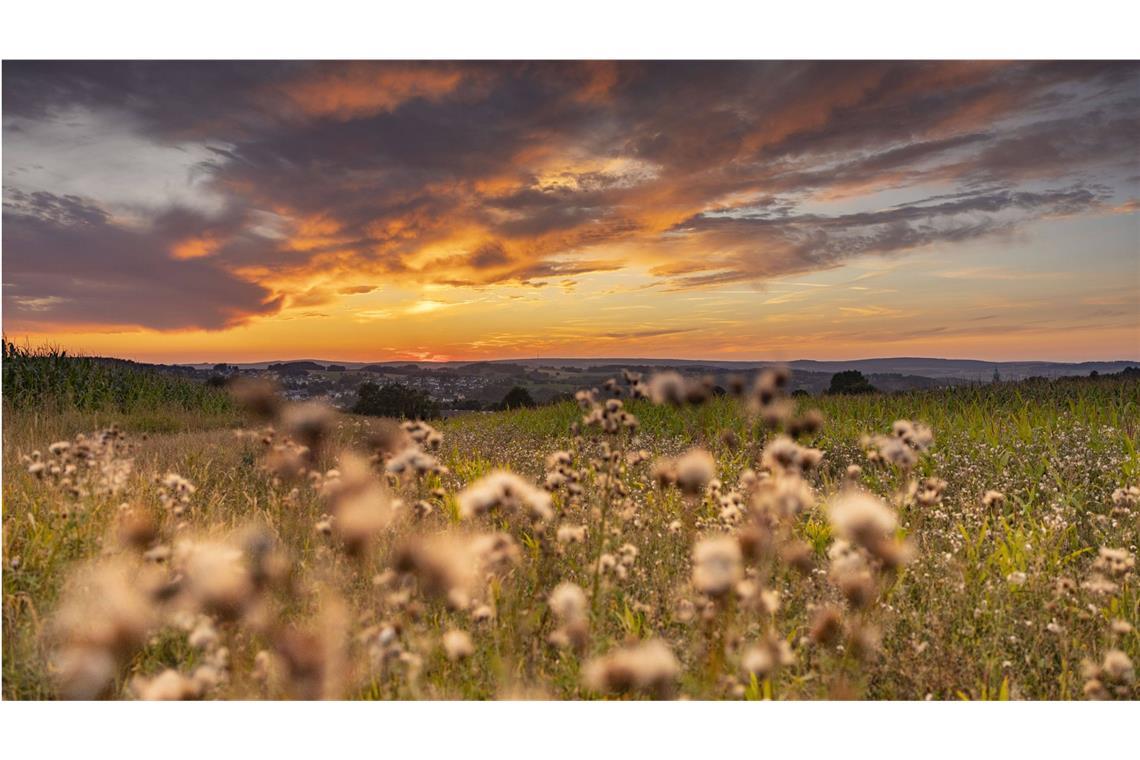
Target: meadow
[652, 540]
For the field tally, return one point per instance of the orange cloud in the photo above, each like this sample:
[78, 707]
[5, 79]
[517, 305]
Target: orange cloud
[355, 90]
[193, 248]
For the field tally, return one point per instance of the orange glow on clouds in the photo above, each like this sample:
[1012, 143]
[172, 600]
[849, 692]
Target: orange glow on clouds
[358, 90]
[194, 248]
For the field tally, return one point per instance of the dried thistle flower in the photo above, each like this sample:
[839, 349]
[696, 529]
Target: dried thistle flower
[783, 497]
[204, 635]
[783, 455]
[648, 667]
[864, 641]
[862, 518]
[506, 492]
[571, 534]
[258, 396]
[809, 423]
[1114, 563]
[413, 461]
[83, 672]
[930, 491]
[457, 644]
[569, 606]
[693, 471]
[313, 658]
[568, 602]
[765, 658]
[452, 566]
[360, 506]
[865, 520]
[168, 685]
[993, 499]
[1121, 627]
[104, 616]
[826, 626]
[667, 388]
[1117, 667]
[309, 423]
[137, 528]
[717, 565]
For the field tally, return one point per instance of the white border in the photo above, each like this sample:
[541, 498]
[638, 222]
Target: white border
[577, 730]
[455, 29]
[582, 29]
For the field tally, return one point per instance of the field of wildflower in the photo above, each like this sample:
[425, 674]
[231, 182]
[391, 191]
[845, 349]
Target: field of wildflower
[657, 539]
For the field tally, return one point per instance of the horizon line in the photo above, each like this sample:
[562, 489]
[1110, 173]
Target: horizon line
[596, 358]
[626, 359]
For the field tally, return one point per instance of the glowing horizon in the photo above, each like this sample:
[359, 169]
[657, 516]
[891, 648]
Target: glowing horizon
[465, 211]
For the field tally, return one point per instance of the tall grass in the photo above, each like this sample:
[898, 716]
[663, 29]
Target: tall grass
[994, 603]
[48, 379]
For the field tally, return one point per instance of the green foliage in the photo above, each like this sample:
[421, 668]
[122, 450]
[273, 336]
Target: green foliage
[850, 382]
[50, 379]
[517, 398]
[394, 400]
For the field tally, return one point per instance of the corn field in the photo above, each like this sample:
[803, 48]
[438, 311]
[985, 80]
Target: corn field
[50, 379]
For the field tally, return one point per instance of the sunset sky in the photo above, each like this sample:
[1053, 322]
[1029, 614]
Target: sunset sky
[199, 211]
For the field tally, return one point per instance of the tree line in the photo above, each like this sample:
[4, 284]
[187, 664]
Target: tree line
[402, 401]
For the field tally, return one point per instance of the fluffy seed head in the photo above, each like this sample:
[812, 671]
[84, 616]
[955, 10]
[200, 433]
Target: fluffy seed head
[504, 491]
[862, 518]
[1117, 667]
[457, 644]
[568, 602]
[826, 626]
[694, 470]
[993, 499]
[217, 578]
[717, 565]
[648, 668]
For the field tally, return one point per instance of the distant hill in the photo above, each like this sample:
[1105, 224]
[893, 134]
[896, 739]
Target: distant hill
[963, 369]
[303, 366]
[960, 370]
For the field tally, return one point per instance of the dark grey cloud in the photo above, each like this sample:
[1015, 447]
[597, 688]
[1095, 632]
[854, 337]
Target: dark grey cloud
[769, 245]
[65, 262]
[65, 210]
[659, 332]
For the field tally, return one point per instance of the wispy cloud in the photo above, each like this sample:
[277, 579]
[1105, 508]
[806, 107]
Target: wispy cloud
[997, 273]
[870, 311]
